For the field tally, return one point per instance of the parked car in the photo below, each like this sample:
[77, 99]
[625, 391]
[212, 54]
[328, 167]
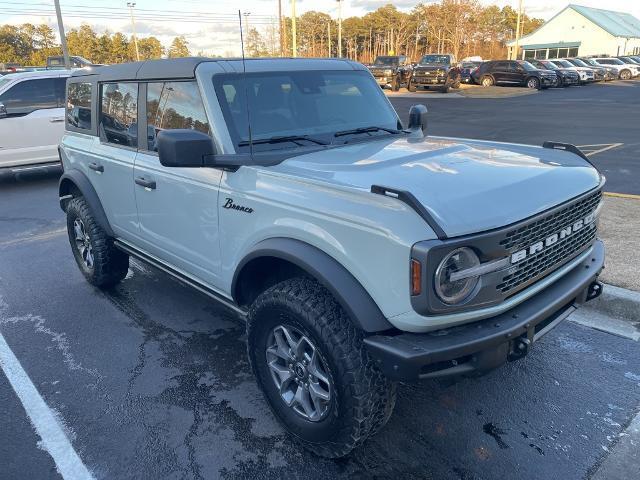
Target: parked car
[626, 71]
[629, 60]
[31, 117]
[57, 61]
[438, 71]
[587, 75]
[599, 73]
[467, 69]
[341, 237]
[392, 71]
[611, 73]
[566, 76]
[514, 72]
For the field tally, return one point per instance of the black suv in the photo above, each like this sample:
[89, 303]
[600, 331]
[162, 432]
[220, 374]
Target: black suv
[392, 71]
[566, 76]
[514, 72]
[436, 70]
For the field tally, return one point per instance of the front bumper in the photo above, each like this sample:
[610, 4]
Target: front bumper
[548, 81]
[427, 81]
[481, 346]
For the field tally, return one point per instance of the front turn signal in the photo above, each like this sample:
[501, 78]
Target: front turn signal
[416, 277]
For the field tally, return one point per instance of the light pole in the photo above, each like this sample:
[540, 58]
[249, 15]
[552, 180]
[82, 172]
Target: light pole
[133, 28]
[339, 28]
[517, 46]
[63, 39]
[280, 30]
[294, 42]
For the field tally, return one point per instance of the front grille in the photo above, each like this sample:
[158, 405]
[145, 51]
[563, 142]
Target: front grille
[551, 257]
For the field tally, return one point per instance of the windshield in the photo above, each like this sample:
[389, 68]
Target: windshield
[4, 81]
[435, 59]
[316, 104]
[564, 63]
[580, 63]
[548, 66]
[526, 65]
[615, 61]
[591, 63]
[386, 61]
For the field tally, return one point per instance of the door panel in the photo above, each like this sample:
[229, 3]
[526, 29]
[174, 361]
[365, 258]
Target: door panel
[178, 215]
[32, 138]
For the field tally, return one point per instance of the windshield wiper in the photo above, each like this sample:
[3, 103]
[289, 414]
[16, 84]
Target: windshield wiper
[371, 129]
[281, 139]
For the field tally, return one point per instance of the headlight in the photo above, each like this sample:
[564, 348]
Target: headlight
[455, 292]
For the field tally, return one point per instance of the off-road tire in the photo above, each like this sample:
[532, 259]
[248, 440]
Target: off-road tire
[110, 265]
[395, 84]
[362, 397]
[444, 89]
[456, 84]
[411, 87]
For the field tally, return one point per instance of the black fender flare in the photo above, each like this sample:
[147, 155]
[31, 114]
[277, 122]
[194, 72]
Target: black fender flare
[348, 291]
[79, 180]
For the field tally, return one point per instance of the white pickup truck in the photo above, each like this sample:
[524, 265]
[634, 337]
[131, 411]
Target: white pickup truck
[31, 118]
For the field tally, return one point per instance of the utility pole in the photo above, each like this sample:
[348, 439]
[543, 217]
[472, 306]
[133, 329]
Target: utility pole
[294, 41]
[133, 28]
[517, 46]
[339, 28]
[280, 30]
[329, 36]
[63, 38]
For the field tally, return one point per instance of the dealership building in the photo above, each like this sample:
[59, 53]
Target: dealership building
[578, 30]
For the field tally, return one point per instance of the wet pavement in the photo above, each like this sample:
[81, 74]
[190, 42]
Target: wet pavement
[150, 380]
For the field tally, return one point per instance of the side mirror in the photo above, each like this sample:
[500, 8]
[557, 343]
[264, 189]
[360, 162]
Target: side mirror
[3, 111]
[418, 121]
[184, 148]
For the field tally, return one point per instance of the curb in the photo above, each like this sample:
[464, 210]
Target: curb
[618, 303]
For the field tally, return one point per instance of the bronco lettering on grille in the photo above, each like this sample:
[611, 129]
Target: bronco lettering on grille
[564, 233]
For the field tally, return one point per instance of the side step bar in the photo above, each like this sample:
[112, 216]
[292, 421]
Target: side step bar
[180, 276]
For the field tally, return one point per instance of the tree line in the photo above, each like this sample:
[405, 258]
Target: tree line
[461, 27]
[29, 44]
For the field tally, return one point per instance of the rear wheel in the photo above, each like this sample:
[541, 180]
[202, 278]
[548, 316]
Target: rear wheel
[445, 89]
[625, 74]
[487, 81]
[312, 367]
[102, 264]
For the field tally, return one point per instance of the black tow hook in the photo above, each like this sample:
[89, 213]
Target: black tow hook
[520, 348]
[594, 290]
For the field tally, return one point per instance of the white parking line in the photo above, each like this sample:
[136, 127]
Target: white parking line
[589, 150]
[43, 419]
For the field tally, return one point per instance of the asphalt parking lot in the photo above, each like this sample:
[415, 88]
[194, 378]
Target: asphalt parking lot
[150, 379]
[601, 118]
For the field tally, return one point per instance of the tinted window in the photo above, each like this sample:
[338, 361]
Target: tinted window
[119, 113]
[503, 66]
[314, 103]
[36, 94]
[79, 105]
[174, 105]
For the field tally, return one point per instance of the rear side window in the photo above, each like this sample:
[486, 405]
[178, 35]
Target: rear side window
[172, 105]
[79, 105]
[34, 94]
[119, 114]
[502, 66]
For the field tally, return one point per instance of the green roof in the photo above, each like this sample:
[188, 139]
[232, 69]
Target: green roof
[618, 24]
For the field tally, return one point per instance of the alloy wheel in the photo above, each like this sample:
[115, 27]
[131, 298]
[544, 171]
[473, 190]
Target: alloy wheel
[83, 242]
[299, 372]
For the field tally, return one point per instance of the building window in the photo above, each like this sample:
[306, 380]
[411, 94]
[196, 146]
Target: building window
[573, 52]
[529, 54]
[541, 54]
[563, 52]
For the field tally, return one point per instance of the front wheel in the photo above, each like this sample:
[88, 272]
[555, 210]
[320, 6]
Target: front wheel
[533, 82]
[625, 75]
[311, 364]
[487, 81]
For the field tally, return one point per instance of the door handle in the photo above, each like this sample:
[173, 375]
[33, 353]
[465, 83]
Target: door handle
[95, 167]
[56, 120]
[148, 184]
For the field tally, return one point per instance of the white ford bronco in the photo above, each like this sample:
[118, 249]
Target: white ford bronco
[360, 252]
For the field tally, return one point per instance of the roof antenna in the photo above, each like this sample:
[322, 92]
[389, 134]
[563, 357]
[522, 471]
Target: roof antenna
[244, 81]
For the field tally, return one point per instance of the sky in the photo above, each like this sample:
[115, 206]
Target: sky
[211, 25]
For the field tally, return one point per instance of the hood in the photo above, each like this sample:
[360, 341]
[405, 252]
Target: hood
[468, 186]
[430, 68]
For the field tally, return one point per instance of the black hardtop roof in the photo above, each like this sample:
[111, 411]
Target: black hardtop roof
[175, 68]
